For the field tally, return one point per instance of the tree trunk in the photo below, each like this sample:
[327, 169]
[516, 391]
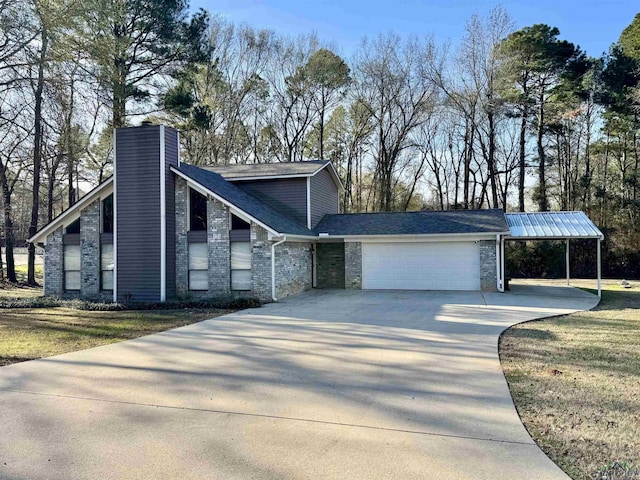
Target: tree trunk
[37, 160]
[119, 93]
[491, 161]
[543, 204]
[467, 165]
[50, 188]
[321, 127]
[8, 226]
[522, 165]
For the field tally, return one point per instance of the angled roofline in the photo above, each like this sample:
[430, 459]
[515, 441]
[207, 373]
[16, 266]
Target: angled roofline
[334, 174]
[70, 212]
[231, 205]
[328, 163]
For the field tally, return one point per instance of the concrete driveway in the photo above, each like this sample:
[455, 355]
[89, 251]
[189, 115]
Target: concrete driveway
[326, 385]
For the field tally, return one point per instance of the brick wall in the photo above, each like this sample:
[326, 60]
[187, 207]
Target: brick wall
[353, 265]
[260, 263]
[53, 264]
[294, 262]
[90, 250]
[218, 247]
[182, 247]
[488, 266]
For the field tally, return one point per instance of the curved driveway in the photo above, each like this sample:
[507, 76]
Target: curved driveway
[325, 385]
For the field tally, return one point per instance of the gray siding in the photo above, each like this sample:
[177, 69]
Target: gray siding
[171, 158]
[287, 195]
[137, 203]
[324, 196]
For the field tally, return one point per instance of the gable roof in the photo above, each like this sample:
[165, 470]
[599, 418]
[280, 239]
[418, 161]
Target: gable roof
[270, 171]
[259, 170]
[73, 212]
[414, 223]
[243, 201]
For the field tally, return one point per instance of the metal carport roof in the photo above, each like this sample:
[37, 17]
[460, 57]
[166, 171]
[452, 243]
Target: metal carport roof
[551, 225]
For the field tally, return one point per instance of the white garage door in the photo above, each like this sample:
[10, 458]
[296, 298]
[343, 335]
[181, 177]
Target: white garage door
[421, 266]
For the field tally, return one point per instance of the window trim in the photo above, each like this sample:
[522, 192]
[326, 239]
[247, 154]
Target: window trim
[102, 200]
[231, 270]
[102, 289]
[206, 219]
[189, 270]
[65, 271]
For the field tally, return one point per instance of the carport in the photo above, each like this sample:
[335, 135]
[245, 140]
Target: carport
[552, 226]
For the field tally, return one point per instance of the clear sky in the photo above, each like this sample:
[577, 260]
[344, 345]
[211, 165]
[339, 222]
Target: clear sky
[592, 24]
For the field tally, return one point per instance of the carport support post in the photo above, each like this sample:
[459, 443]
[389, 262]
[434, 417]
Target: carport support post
[599, 270]
[567, 255]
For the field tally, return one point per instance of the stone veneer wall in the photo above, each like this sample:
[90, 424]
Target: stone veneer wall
[294, 261]
[89, 257]
[353, 265]
[260, 263]
[90, 251]
[182, 246]
[54, 264]
[218, 247]
[488, 279]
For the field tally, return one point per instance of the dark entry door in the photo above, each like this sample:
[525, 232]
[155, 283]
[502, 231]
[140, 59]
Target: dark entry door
[330, 265]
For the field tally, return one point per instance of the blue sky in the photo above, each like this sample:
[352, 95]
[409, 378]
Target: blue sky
[592, 24]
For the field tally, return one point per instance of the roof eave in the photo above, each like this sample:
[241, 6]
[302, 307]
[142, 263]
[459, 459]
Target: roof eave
[226, 202]
[56, 222]
[391, 236]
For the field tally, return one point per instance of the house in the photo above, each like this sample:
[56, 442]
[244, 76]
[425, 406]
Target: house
[160, 229]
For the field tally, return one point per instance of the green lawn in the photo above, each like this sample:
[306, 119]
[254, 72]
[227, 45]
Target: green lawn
[575, 381]
[29, 333]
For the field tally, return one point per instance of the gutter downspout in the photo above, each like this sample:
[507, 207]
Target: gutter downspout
[273, 267]
[499, 260]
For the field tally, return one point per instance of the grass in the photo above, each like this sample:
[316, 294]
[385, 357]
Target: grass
[575, 381]
[30, 333]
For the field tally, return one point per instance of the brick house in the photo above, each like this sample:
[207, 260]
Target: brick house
[160, 229]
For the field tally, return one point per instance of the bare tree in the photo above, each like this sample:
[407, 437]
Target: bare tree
[391, 79]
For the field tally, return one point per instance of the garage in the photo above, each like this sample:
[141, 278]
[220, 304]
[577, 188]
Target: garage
[421, 266]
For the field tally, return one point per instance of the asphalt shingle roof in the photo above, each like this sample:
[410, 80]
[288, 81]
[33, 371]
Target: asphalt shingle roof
[414, 223]
[244, 201]
[406, 223]
[238, 172]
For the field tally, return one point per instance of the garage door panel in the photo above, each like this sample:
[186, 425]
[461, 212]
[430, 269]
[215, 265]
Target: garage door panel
[421, 266]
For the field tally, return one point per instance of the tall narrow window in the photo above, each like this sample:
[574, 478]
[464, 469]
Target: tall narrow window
[197, 211]
[198, 267]
[73, 228]
[107, 214]
[240, 254]
[106, 266]
[71, 268]
[241, 266]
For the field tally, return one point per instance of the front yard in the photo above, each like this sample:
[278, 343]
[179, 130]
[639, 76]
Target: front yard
[575, 381]
[29, 333]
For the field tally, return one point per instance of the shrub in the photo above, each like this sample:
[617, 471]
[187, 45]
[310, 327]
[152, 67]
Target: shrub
[225, 303]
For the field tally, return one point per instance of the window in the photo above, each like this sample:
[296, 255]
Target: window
[197, 210]
[107, 215]
[241, 266]
[198, 266]
[72, 267]
[73, 227]
[106, 266]
[238, 224]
